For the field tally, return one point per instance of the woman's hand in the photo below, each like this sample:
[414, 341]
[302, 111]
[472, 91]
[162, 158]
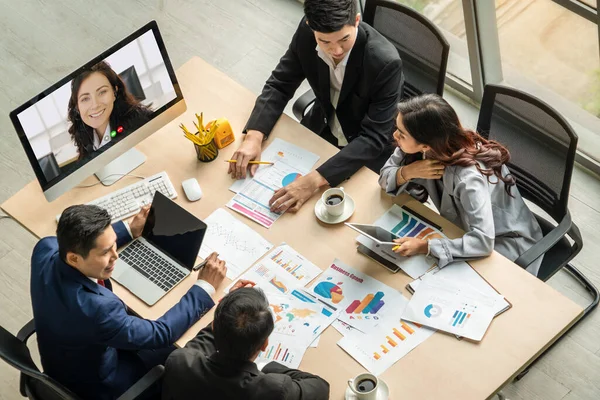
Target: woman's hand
[424, 169]
[410, 246]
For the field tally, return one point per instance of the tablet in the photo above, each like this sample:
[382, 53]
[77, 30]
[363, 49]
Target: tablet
[375, 233]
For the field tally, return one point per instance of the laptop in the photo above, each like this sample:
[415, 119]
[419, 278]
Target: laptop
[164, 255]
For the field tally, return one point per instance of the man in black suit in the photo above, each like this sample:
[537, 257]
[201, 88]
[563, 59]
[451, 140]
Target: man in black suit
[219, 362]
[356, 75]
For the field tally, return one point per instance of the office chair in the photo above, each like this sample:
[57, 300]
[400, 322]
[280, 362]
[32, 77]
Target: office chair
[36, 385]
[542, 145]
[421, 45]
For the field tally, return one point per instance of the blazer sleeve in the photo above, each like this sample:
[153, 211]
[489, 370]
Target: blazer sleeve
[117, 329]
[375, 131]
[471, 189]
[299, 385]
[204, 342]
[123, 235]
[278, 90]
[387, 175]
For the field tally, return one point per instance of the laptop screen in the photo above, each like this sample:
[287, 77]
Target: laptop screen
[173, 230]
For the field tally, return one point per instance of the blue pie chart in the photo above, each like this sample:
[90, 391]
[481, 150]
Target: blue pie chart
[289, 178]
[432, 311]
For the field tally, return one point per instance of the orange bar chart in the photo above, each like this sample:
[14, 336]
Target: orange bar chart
[391, 341]
[400, 335]
[407, 328]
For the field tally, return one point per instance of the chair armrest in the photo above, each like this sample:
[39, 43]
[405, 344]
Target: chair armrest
[138, 388]
[300, 106]
[26, 331]
[546, 242]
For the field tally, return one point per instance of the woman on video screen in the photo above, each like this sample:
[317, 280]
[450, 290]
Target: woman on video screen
[99, 104]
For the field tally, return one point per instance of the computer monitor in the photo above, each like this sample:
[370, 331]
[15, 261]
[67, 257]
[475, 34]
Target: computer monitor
[89, 121]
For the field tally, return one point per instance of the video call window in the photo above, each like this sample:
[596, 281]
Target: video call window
[98, 107]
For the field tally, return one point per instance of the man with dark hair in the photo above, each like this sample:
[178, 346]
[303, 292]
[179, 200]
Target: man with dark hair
[356, 75]
[219, 362]
[86, 338]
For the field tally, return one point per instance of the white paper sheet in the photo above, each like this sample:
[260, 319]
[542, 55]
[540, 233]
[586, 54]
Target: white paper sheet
[236, 243]
[458, 309]
[280, 150]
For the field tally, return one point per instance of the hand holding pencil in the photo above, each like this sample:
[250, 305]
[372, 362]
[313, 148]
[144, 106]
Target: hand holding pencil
[253, 162]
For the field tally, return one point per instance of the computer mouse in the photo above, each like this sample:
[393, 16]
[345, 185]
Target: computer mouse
[192, 189]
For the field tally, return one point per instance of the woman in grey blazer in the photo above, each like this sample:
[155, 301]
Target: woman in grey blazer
[465, 177]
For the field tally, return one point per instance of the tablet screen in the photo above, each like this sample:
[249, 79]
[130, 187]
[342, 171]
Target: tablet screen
[375, 232]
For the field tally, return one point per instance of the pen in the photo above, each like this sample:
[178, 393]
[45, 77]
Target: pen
[252, 162]
[202, 264]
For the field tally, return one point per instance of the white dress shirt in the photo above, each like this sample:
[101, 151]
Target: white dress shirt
[336, 79]
[105, 139]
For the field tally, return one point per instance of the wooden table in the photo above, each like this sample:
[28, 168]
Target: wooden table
[440, 368]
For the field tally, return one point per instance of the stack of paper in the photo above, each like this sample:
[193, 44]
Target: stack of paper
[450, 307]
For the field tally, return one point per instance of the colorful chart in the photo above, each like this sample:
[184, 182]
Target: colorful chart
[409, 226]
[370, 304]
[289, 178]
[461, 317]
[287, 264]
[329, 290]
[278, 285]
[394, 338]
[278, 352]
[432, 311]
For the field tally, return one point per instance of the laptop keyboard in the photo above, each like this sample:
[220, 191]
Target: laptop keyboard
[155, 268]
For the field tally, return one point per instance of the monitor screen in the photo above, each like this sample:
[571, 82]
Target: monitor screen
[97, 106]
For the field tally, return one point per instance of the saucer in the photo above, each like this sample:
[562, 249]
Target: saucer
[383, 392]
[323, 216]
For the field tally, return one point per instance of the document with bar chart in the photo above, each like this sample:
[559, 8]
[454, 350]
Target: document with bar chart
[450, 307]
[402, 223]
[293, 263]
[282, 350]
[386, 344]
[362, 301]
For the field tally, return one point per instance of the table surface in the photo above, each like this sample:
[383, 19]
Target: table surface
[441, 367]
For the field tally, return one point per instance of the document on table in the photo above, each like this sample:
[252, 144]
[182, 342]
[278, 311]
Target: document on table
[236, 243]
[445, 305]
[463, 274]
[252, 200]
[386, 344]
[403, 224]
[361, 300]
[280, 150]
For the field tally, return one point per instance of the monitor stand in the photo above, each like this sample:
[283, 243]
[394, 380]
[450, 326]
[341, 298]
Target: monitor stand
[120, 166]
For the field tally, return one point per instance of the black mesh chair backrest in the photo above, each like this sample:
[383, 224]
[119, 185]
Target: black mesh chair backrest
[39, 385]
[421, 45]
[541, 142]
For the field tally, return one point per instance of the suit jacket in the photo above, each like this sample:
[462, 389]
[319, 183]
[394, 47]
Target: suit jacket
[366, 106]
[83, 329]
[491, 218]
[199, 371]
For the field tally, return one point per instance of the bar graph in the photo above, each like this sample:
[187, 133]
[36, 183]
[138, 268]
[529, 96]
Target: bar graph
[277, 352]
[461, 317]
[395, 337]
[409, 226]
[288, 263]
[370, 304]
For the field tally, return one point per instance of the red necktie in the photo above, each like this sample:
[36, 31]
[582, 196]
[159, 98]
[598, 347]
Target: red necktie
[101, 282]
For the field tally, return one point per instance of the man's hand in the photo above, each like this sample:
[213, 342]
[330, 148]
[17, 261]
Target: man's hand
[242, 283]
[137, 225]
[411, 246]
[213, 271]
[249, 150]
[294, 195]
[424, 169]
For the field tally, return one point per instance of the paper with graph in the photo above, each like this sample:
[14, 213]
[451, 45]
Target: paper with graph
[362, 301]
[451, 307]
[280, 150]
[386, 344]
[236, 243]
[404, 224]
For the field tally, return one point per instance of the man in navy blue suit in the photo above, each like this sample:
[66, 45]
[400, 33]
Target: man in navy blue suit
[86, 338]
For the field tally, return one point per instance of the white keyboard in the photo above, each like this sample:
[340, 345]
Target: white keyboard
[128, 201]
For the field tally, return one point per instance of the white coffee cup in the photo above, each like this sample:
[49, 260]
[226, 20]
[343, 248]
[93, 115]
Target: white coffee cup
[334, 210]
[357, 385]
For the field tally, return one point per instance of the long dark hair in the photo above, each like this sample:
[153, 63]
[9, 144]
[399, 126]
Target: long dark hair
[431, 121]
[127, 111]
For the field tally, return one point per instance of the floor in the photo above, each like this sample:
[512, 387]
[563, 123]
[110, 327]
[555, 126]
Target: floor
[43, 40]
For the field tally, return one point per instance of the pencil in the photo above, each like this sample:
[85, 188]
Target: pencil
[396, 247]
[252, 162]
